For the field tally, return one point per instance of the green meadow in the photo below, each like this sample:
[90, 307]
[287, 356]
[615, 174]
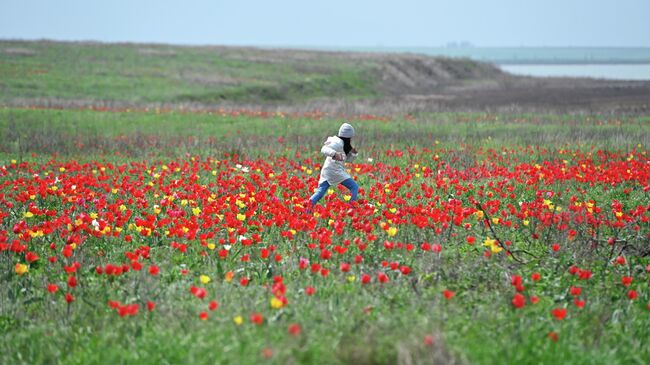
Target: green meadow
[140, 223]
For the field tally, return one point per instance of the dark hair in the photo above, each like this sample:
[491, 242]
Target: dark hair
[347, 146]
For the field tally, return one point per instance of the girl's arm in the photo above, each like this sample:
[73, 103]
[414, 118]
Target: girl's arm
[328, 151]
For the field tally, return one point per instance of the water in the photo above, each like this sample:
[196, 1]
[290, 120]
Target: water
[612, 72]
[545, 55]
[596, 62]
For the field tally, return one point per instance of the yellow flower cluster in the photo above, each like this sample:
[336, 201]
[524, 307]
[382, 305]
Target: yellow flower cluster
[493, 245]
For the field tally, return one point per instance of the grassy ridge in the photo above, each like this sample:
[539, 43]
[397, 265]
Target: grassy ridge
[156, 73]
[44, 73]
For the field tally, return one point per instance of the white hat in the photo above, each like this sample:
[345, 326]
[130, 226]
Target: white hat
[346, 131]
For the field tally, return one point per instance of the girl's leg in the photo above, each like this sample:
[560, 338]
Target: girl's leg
[320, 193]
[353, 187]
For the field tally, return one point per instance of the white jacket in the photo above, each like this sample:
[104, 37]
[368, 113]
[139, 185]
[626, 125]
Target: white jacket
[334, 171]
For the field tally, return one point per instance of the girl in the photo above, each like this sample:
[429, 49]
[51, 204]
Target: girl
[338, 151]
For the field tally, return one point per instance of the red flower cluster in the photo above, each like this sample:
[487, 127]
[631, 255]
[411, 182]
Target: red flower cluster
[149, 226]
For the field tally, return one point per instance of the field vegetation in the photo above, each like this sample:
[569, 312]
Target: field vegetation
[137, 230]
[130, 74]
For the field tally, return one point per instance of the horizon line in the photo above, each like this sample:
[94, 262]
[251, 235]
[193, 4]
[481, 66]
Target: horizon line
[449, 45]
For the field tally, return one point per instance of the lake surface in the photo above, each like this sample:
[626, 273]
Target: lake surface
[616, 63]
[612, 72]
[530, 55]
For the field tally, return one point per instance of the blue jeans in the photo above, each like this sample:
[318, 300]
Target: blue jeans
[322, 190]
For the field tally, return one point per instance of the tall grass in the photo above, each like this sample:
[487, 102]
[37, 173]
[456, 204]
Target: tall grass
[70, 132]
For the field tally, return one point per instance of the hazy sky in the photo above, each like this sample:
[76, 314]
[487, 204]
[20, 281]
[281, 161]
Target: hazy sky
[333, 22]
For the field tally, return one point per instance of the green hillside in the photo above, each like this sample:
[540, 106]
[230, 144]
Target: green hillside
[147, 73]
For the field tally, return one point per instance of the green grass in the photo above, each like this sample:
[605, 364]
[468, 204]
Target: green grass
[172, 74]
[25, 131]
[479, 325]
[344, 322]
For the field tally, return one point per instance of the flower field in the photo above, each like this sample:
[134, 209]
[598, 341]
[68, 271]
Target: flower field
[456, 253]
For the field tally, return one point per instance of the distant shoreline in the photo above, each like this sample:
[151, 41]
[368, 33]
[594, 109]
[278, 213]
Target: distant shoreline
[629, 71]
[520, 55]
[572, 63]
